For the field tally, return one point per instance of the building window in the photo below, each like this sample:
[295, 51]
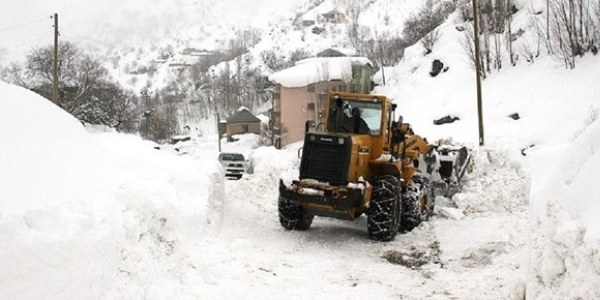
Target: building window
[310, 106]
[322, 96]
[244, 128]
[310, 88]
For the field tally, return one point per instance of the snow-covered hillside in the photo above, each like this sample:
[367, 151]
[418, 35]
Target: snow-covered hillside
[108, 216]
[102, 215]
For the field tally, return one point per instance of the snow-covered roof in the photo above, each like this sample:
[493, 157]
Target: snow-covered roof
[345, 51]
[243, 116]
[317, 69]
[182, 59]
[336, 52]
[325, 7]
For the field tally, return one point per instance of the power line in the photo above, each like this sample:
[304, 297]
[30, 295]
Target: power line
[75, 40]
[30, 41]
[22, 25]
[85, 37]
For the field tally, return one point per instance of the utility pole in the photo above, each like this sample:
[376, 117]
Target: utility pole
[381, 62]
[548, 26]
[218, 131]
[55, 63]
[477, 70]
[272, 119]
[214, 99]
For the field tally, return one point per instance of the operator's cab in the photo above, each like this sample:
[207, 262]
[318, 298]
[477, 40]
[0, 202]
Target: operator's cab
[352, 115]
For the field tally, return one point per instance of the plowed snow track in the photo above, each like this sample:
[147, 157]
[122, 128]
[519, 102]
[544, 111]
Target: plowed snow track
[477, 255]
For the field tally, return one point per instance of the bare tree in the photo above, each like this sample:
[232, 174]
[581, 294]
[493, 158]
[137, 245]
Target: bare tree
[354, 10]
[431, 15]
[509, 33]
[15, 73]
[571, 27]
[497, 51]
[500, 21]
[323, 71]
[468, 44]
[527, 49]
[85, 90]
[595, 25]
[297, 55]
[429, 40]
[384, 49]
[112, 106]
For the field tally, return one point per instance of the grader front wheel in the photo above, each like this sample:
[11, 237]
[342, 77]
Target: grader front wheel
[293, 216]
[384, 210]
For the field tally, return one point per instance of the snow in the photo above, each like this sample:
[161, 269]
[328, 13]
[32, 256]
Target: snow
[316, 69]
[95, 214]
[566, 235]
[78, 210]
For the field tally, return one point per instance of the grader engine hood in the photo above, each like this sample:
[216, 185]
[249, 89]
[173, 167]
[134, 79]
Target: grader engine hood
[326, 158]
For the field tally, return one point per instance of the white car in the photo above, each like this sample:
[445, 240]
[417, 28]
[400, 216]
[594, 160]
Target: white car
[234, 164]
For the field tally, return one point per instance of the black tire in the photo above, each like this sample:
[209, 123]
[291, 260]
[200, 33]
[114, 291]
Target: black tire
[430, 197]
[417, 203]
[293, 216]
[384, 210]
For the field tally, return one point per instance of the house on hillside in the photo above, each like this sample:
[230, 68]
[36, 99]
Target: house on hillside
[242, 122]
[308, 22]
[300, 92]
[333, 17]
[182, 61]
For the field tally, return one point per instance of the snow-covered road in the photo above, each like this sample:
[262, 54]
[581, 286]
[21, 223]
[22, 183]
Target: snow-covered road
[248, 255]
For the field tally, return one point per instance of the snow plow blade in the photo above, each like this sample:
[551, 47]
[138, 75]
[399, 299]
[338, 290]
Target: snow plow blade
[447, 166]
[322, 199]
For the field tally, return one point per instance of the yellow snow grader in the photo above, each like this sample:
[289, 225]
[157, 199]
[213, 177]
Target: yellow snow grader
[361, 161]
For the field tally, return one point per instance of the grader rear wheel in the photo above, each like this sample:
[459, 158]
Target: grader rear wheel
[417, 203]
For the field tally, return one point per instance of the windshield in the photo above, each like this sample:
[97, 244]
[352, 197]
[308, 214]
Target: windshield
[355, 116]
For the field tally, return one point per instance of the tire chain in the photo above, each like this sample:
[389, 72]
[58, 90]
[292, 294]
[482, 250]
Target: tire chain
[411, 213]
[290, 215]
[381, 213]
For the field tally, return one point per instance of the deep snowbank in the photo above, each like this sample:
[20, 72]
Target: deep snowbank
[79, 212]
[565, 244]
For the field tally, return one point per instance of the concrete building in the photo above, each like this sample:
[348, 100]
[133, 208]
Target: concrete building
[300, 92]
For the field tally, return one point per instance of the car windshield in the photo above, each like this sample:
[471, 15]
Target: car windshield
[232, 157]
[339, 120]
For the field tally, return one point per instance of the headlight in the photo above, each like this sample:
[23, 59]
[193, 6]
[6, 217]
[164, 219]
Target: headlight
[312, 138]
[341, 141]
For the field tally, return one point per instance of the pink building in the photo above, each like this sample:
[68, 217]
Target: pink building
[300, 92]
